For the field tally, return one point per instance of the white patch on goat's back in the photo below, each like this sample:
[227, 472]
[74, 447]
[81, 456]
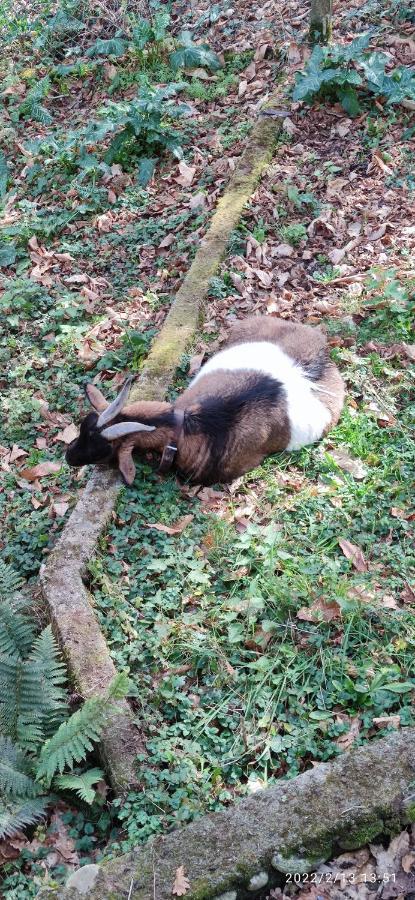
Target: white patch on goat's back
[307, 414]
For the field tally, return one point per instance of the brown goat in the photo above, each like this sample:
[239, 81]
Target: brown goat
[273, 387]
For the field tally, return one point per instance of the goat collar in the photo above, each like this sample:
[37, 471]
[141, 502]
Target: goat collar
[170, 450]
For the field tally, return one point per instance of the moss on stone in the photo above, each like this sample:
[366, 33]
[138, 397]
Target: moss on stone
[363, 834]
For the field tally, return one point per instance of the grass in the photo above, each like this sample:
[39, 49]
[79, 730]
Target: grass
[234, 685]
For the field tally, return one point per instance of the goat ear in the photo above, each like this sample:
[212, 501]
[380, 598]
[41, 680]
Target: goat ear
[122, 428]
[96, 399]
[116, 406]
[126, 464]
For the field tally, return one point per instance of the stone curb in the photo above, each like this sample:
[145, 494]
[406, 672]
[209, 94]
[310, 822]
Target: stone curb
[291, 828]
[63, 575]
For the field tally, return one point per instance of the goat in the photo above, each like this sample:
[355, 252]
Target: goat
[273, 387]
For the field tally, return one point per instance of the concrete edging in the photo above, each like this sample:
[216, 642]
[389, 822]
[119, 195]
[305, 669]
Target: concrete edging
[290, 828]
[63, 575]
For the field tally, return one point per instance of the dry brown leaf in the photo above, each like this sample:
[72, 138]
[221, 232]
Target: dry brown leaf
[243, 87]
[41, 443]
[39, 471]
[198, 201]
[408, 862]
[59, 509]
[187, 174]
[407, 594]
[180, 525]
[319, 611]
[345, 741]
[377, 159]
[283, 250]
[196, 364]
[68, 434]
[78, 278]
[16, 453]
[181, 883]
[354, 553]
[353, 466]
[167, 241]
[384, 721]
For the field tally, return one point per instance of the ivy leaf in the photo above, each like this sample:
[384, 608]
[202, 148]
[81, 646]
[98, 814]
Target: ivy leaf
[146, 170]
[7, 254]
[112, 47]
[193, 56]
[349, 100]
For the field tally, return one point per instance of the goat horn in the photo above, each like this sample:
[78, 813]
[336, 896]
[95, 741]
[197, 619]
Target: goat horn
[116, 406]
[123, 428]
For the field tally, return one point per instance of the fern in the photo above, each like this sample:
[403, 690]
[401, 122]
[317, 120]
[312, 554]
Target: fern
[4, 177]
[15, 815]
[10, 581]
[16, 632]
[76, 737]
[31, 108]
[15, 771]
[36, 738]
[81, 784]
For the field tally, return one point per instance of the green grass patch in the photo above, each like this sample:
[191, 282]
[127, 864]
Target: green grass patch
[239, 677]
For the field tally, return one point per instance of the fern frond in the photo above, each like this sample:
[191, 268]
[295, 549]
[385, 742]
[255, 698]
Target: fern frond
[55, 707]
[75, 737]
[14, 815]
[4, 178]
[16, 631]
[15, 769]
[81, 784]
[10, 581]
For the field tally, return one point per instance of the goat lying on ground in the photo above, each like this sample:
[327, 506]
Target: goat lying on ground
[273, 387]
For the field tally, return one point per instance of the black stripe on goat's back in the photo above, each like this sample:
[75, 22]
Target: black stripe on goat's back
[218, 414]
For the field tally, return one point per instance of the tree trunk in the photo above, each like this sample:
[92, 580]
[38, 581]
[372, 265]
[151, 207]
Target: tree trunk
[321, 21]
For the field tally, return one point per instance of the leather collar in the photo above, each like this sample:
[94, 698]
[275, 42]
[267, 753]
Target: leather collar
[170, 450]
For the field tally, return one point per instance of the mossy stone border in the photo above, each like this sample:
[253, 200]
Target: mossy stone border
[290, 828]
[63, 576]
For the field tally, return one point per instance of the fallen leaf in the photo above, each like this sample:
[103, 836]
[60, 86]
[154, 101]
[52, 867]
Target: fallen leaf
[68, 434]
[354, 553]
[388, 601]
[384, 721]
[353, 466]
[283, 250]
[387, 861]
[243, 87]
[41, 443]
[345, 741]
[79, 278]
[407, 594]
[167, 241]
[196, 364]
[59, 509]
[180, 525]
[16, 453]
[187, 174]
[181, 883]
[408, 862]
[198, 201]
[319, 611]
[39, 471]
[379, 162]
